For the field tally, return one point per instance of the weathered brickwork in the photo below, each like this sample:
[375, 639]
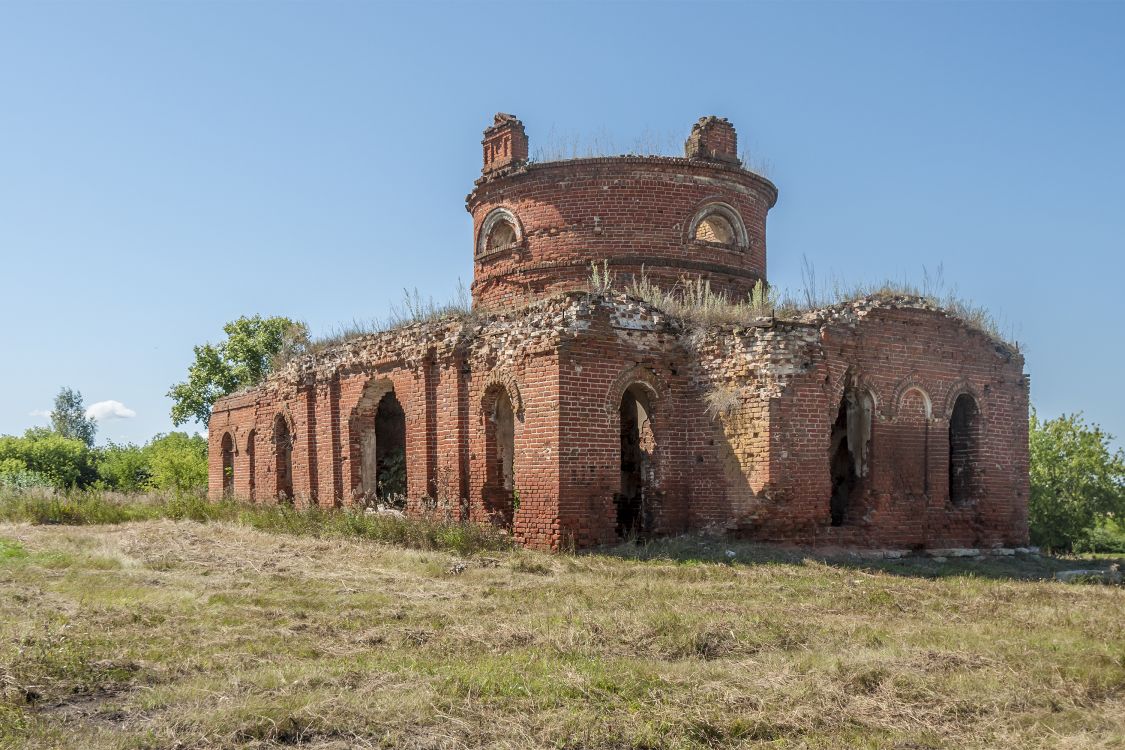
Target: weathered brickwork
[629, 212]
[575, 419]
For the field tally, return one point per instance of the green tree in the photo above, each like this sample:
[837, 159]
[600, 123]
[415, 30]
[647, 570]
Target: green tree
[244, 359]
[177, 461]
[69, 419]
[63, 461]
[124, 467]
[1077, 482]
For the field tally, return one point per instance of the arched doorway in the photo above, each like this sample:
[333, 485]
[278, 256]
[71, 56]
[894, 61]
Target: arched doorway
[283, 459]
[228, 465]
[638, 451]
[387, 445]
[847, 450]
[500, 456]
[378, 446]
[964, 451]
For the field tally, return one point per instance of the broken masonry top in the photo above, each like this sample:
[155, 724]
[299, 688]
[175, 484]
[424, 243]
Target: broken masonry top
[505, 142]
[712, 138]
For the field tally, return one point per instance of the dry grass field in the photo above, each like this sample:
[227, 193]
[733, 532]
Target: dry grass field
[166, 634]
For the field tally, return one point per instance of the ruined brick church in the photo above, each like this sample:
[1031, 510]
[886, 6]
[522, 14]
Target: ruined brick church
[576, 417]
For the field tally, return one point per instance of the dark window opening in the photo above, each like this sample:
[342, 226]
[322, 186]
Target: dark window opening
[283, 457]
[250, 450]
[848, 449]
[228, 465]
[638, 448]
[964, 450]
[500, 450]
[390, 452]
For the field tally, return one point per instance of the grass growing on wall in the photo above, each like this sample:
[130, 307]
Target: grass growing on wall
[694, 301]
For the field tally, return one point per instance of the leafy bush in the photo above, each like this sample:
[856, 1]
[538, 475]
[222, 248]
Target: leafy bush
[20, 479]
[62, 461]
[1106, 538]
[1077, 483]
[177, 461]
[392, 479]
[124, 467]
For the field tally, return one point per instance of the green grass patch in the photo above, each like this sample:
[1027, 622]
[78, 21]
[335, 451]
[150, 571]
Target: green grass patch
[10, 550]
[95, 507]
[287, 628]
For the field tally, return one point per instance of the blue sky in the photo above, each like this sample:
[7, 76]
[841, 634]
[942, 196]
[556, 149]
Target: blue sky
[167, 167]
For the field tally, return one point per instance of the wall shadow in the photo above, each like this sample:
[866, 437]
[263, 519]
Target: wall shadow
[696, 549]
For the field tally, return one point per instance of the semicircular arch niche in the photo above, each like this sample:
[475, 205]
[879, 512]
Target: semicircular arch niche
[913, 395]
[500, 230]
[718, 223]
[641, 375]
[914, 403]
[503, 379]
[953, 392]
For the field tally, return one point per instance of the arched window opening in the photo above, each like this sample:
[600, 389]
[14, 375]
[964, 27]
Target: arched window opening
[499, 231]
[503, 235]
[848, 450]
[719, 224]
[228, 465]
[964, 451]
[251, 439]
[504, 418]
[500, 453]
[638, 450]
[283, 459]
[715, 228]
[389, 437]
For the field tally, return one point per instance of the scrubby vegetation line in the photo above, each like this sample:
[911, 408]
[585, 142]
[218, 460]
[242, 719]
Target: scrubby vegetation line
[91, 507]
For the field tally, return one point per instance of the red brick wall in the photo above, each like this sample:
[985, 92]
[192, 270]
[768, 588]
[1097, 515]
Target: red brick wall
[627, 211]
[624, 346]
[897, 356]
[441, 386]
[741, 419]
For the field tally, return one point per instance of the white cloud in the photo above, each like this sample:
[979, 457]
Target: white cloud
[104, 410]
[42, 413]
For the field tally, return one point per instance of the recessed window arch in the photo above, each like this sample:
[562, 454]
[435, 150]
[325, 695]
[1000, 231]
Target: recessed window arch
[251, 449]
[849, 449]
[964, 451]
[500, 230]
[719, 224]
[283, 459]
[378, 449]
[500, 418]
[638, 456]
[228, 465]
